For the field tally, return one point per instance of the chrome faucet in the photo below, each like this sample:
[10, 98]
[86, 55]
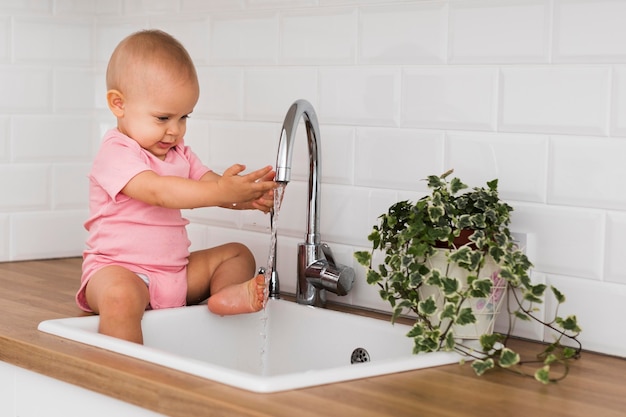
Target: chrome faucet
[317, 269]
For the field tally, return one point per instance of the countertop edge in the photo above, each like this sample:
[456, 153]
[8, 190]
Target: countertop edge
[117, 376]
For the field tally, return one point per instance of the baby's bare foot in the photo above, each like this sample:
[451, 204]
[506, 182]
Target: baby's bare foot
[246, 297]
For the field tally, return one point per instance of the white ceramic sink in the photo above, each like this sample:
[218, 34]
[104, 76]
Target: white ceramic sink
[286, 346]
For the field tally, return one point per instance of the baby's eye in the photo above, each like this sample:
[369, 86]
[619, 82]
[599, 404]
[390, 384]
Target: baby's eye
[163, 118]
[185, 116]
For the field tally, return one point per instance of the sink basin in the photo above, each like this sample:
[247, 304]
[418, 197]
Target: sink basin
[286, 346]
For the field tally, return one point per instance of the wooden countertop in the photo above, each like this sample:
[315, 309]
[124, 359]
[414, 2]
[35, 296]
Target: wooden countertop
[33, 291]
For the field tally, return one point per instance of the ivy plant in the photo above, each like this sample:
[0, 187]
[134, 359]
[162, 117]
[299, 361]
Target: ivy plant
[469, 228]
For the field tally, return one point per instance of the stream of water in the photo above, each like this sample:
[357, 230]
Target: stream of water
[278, 200]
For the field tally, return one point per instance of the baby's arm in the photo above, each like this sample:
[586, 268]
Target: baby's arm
[214, 190]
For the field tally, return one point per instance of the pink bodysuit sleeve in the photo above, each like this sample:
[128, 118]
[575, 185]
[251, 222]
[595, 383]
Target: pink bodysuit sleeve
[117, 163]
[197, 168]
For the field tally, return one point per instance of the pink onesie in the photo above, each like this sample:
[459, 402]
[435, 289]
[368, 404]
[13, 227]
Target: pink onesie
[145, 239]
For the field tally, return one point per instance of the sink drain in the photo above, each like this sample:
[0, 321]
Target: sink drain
[359, 355]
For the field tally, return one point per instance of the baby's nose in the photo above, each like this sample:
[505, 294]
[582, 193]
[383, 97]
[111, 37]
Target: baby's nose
[173, 129]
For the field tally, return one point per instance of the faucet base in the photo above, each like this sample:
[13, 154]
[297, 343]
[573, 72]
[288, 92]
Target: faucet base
[307, 292]
[315, 298]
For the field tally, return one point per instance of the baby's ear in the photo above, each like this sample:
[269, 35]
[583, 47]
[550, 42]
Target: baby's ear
[115, 100]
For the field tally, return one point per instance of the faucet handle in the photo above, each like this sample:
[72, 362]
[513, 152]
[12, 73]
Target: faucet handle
[333, 277]
[328, 253]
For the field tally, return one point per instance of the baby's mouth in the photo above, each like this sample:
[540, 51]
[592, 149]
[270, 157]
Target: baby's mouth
[165, 145]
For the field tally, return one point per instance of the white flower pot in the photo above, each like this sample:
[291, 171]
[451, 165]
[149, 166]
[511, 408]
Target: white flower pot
[485, 309]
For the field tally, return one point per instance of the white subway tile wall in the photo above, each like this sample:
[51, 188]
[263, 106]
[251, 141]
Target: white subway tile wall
[5, 27]
[414, 33]
[493, 32]
[25, 90]
[421, 154]
[46, 234]
[284, 85]
[601, 40]
[5, 236]
[555, 99]
[318, 38]
[359, 96]
[531, 92]
[587, 171]
[59, 41]
[67, 98]
[450, 97]
[519, 161]
[244, 38]
[222, 93]
[53, 138]
[4, 138]
[618, 101]
[615, 232]
[602, 305]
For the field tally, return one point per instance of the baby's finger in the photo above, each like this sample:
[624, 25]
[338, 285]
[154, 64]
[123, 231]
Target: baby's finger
[264, 186]
[259, 174]
[266, 200]
[233, 170]
[269, 176]
[261, 206]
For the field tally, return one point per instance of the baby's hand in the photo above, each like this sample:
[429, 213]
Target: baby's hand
[265, 203]
[253, 190]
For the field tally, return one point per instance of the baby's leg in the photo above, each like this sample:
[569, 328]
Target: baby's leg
[120, 297]
[223, 274]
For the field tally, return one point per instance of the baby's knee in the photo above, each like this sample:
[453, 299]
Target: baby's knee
[236, 250]
[118, 298]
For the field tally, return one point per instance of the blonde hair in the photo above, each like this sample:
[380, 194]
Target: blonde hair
[144, 51]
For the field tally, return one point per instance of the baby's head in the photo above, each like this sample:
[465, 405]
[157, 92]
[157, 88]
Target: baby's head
[146, 57]
[152, 87]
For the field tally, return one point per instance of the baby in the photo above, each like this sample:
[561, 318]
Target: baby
[137, 254]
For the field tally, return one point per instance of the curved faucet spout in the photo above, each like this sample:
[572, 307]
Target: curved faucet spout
[317, 270]
[302, 109]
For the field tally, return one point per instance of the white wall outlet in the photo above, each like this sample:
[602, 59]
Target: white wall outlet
[520, 240]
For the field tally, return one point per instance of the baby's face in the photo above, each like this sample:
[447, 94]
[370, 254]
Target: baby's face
[155, 116]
